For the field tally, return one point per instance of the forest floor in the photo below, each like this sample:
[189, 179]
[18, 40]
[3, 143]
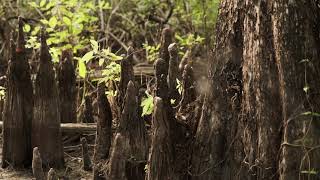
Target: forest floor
[73, 167]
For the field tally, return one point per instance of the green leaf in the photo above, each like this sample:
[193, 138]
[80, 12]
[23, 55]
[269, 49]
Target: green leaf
[309, 113]
[66, 20]
[26, 28]
[101, 61]
[147, 105]
[87, 57]
[42, 3]
[306, 89]
[94, 45]
[312, 172]
[53, 22]
[82, 69]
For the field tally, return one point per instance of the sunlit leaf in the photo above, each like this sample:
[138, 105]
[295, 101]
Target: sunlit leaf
[87, 57]
[53, 22]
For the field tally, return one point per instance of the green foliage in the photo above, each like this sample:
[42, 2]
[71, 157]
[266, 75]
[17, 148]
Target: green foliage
[2, 92]
[152, 52]
[147, 105]
[179, 86]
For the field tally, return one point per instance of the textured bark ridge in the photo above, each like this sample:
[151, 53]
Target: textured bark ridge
[46, 123]
[67, 88]
[126, 75]
[37, 165]
[87, 114]
[86, 161]
[132, 127]
[17, 112]
[173, 73]
[252, 125]
[119, 155]
[52, 175]
[161, 158]
[161, 71]
[103, 134]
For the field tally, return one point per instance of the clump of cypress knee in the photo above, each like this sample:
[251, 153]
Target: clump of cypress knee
[46, 123]
[67, 88]
[103, 133]
[18, 105]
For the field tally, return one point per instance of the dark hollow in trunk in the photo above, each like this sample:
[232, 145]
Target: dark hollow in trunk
[37, 165]
[17, 112]
[67, 88]
[46, 123]
[161, 158]
[103, 134]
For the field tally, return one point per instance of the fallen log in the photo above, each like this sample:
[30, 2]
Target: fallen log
[74, 127]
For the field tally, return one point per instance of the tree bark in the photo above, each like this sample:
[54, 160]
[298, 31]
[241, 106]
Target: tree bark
[254, 108]
[17, 113]
[46, 123]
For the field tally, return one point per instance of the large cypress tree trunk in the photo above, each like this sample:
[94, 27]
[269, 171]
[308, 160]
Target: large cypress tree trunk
[254, 123]
[17, 113]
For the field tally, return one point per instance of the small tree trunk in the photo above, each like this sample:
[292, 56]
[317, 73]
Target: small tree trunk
[86, 161]
[17, 113]
[52, 175]
[103, 134]
[46, 123]
[161, 158]
[67, 88]
[37, 165]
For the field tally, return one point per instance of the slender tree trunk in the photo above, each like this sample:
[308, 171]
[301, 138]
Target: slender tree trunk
[263, 80]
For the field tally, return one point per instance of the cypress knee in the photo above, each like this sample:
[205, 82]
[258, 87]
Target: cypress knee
[161, 158]
[188, 88]
[133, 129]
[37, 165]
[173, 72]
[166, 39]
[17, 113]
[46, 123]
[52, 175]
[67, 88]
[86, 161]
[87, 116]
[118, 158]
[103, 134]
[127, 74]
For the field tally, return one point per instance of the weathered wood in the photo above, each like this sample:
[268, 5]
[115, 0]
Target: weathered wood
[46, 123]
[17, 113]
[52, 175]
[173, 73]
[37, 165]
[103, 134]
[161, 158]
[67, 88]
[119, 155]
[161, 71]
[132, 127]
[86, 161]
